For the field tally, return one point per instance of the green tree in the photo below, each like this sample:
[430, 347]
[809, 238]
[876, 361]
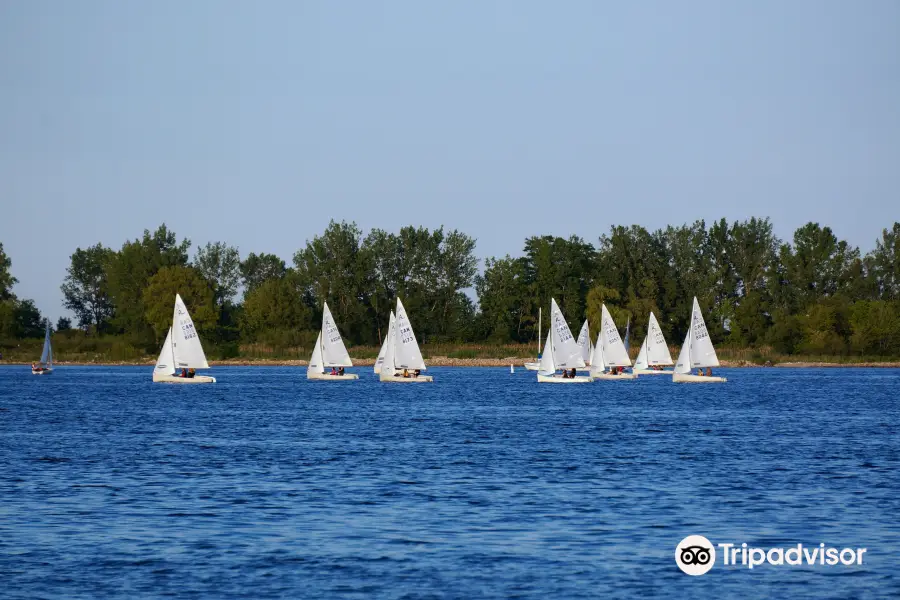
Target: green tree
[7, 281]
[7, 319]
[195, 291]
[63, 324]
[28, 319]
[128, 275]
[875, 327]
[885, 262]
[334, 268]
[85, 289]
[506, 313]
[596, 298]
[256, 269]
[220, 264]
[825, 327]
[816, 266]
[563, 269]
[275, 304]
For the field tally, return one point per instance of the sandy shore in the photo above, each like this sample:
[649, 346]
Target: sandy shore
[443, 361]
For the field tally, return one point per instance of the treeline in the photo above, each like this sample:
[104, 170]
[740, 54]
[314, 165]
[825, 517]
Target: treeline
[813, 295]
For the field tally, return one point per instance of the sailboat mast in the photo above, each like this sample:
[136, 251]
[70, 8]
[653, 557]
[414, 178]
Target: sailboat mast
[539, 331]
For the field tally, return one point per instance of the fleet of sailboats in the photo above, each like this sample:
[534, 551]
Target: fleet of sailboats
[561, 352]
[45, 365]
[400, 359]
[329, 353]
[182, 352]
[697, 352]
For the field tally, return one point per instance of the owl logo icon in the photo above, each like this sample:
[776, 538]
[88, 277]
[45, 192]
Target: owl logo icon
[695, 555]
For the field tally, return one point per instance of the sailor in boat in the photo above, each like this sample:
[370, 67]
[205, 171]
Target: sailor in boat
[183, 373]
[699, 372]
[405, 374]
[191, 373]
[333, 371]
[416, 373]
[341, 371]
[709, 371]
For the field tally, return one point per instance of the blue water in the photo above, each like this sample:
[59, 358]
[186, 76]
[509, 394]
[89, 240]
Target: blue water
[483, 484]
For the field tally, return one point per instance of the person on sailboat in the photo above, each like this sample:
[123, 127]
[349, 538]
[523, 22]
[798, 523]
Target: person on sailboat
[184, 373]
[333, 371]
[416, 373]
[699, 372]
[709, 371]
[191, 372]
[341, 371]
[405, 374]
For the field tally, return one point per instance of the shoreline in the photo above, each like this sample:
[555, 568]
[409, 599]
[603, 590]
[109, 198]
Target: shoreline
[443, 361]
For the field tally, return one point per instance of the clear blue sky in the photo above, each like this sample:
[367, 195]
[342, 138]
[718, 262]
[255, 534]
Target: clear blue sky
[256, 122]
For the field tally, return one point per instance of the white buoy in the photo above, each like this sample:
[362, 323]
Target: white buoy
[512, 369]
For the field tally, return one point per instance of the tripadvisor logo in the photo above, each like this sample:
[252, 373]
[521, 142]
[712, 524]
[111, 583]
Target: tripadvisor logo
[696, 555]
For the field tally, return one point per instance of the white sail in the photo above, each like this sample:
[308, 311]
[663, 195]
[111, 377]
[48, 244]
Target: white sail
[165, 364]
[640, 363]
[597, 366]
[657, 349]
[614, 353]
[546, 366]
[389, 366]
[683, 365]
[186, 342]
[406, 348]
[566, 353]
[584, 342]
[316, 362]
[627, 341]
[47, 352]
[702, 352]
[334, 353]
[380, 360]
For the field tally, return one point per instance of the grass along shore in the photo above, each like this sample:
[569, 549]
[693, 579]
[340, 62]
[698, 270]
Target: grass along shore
[81, 350]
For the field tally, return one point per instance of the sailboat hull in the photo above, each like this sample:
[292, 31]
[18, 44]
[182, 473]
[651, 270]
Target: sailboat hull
[560, 379]
[401, 379]
[175, 379]
[643, 372]
[611, 377]
[533, 366]
[47, 371]
[329, 377]
[684, 378]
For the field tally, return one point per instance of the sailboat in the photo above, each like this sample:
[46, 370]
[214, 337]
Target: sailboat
[181, 350]
[402, 358]
[697, 352]
[380, 360]
[536, 366]
[587, 349]
[560, 351]
[45, 366]
[329, 352]
[609, 352]
[654, 351]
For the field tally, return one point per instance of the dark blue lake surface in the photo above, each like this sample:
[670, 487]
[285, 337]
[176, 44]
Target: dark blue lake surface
[484, 484]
